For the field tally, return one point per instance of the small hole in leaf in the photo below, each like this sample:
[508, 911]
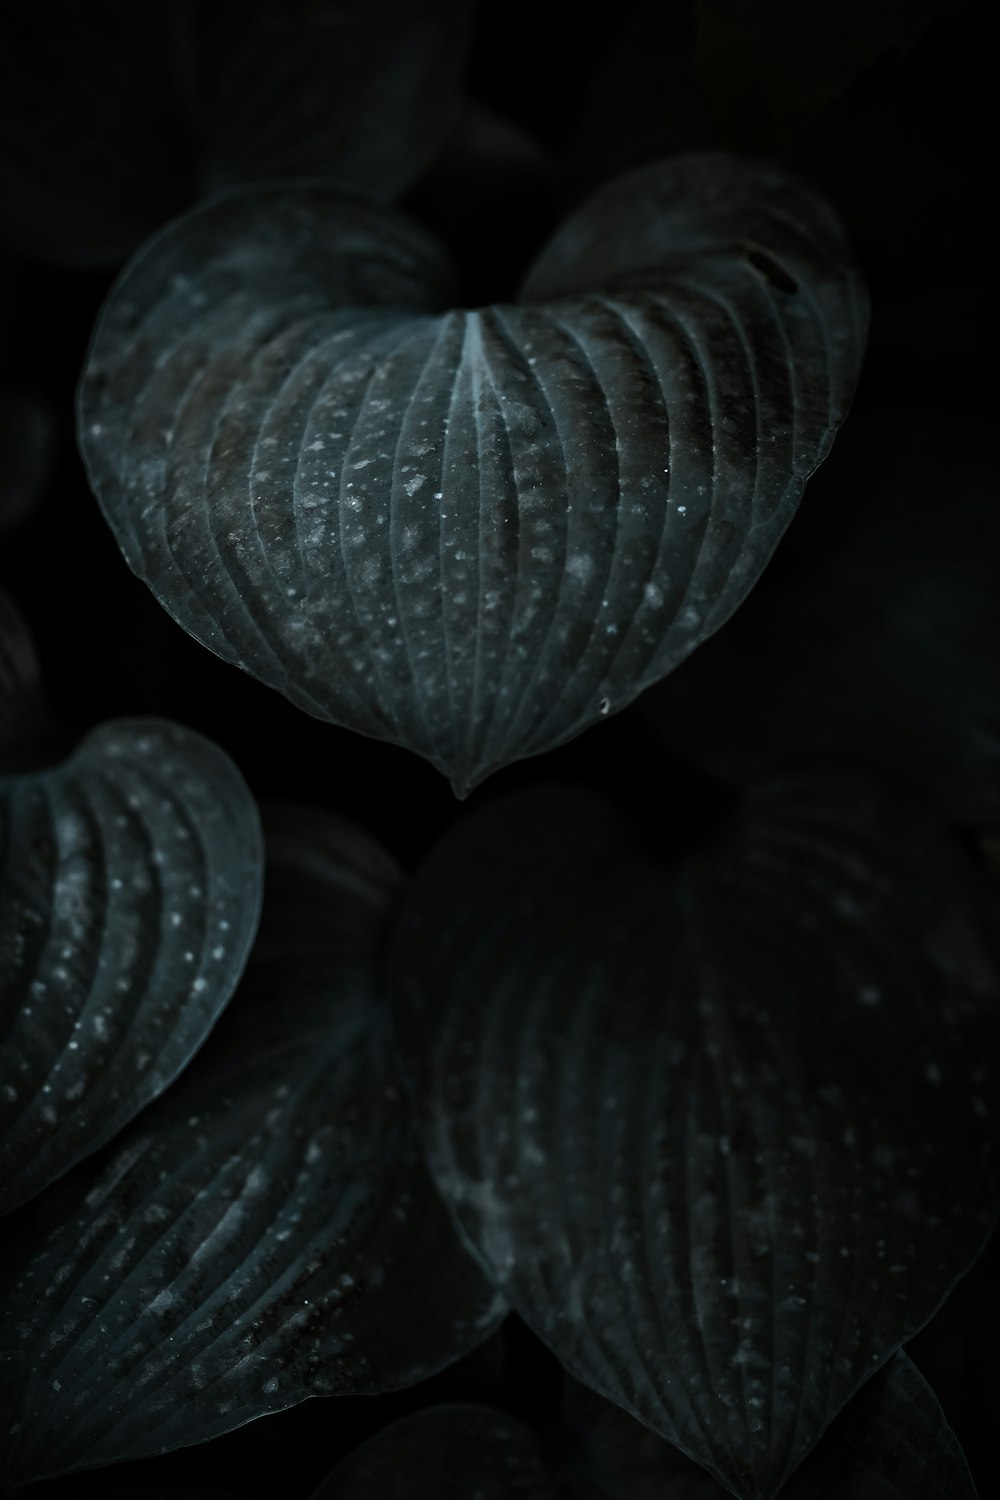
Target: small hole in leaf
[604, 706]
[772, 273]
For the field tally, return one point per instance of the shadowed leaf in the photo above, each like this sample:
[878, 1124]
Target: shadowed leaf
[130, 879]
[891, 1443]
[737, 1103]
[267, 1231]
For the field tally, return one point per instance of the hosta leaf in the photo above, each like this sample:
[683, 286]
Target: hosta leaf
[111, 120]
[883, 647]
[716, 1123]
[473, 533]
[267, 1231]
[130, 880]
[891, 1443]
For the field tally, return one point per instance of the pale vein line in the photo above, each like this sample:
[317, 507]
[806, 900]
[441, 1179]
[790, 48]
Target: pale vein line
[504, 442]
[518, 360]
[636, 343]
[455, 734]
[416, 678]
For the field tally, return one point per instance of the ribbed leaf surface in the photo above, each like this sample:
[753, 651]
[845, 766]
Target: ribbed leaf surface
[716, 1124]
[472, 533]
[268, 1230]
[891, 1442]
[130, 887]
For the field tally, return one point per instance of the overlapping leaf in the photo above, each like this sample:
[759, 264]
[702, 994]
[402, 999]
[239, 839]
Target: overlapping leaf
[717, 1125]
[892, 1443]
[113, 118]
[473, 533]
[883, 648]
[130, 883]
[267, 1231]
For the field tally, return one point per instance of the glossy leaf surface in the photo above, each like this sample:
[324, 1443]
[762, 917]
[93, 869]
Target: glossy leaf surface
[113, 119]
[130, 882]
[717, 1124]
[267, 1231]
[473, 533]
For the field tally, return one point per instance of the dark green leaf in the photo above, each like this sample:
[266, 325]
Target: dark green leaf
[471, 533]
[717, 1124]
[130, 880]
[891, 1443]
[267, 1231]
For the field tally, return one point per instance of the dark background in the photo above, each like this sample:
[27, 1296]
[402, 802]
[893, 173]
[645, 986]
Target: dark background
[556, 100]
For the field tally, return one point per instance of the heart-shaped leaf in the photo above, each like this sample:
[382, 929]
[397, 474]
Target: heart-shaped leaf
[716, 1124]
[473, 533]
[891, 1443]
[265, 1232]
[130, 882]
[114, 118]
